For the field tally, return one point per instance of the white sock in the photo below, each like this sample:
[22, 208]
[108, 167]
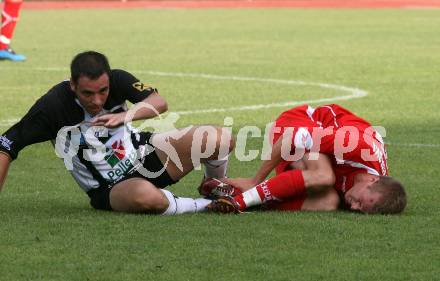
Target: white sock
[251, 197]
[180, 205]
[216, 168]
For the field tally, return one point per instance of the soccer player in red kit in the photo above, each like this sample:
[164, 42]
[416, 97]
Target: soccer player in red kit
[324, 158]
[10, 15]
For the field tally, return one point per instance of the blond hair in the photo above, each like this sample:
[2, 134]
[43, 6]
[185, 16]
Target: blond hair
[393, 196]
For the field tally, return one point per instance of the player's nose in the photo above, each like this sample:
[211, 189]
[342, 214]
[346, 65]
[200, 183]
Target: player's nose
[98, 100]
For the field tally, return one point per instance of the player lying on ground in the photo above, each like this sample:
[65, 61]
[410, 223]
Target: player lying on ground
[118, 167]
[343, 160]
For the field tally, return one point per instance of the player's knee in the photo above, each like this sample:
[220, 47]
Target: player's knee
[332, 201]
[223, 139]
[230, 141]
[324, 179]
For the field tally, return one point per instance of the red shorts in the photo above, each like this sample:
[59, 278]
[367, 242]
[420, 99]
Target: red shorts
[294, 204]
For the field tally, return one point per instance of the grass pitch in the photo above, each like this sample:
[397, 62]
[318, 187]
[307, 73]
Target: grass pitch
[49, 232]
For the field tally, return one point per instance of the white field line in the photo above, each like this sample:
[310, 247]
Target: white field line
[418, 145]
[351, 93]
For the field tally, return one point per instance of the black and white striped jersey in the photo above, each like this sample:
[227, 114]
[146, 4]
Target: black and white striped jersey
[95, 156]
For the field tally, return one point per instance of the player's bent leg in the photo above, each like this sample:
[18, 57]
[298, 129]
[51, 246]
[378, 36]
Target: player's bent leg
[137, 195]
[324, 200]
[9, 18]
[188, 147]
[319, 171]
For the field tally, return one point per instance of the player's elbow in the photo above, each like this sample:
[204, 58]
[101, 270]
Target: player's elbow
[158, 102]
[162, 106]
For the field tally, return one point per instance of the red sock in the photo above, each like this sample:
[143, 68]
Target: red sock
[294, 204]
[283, 186]
[9, 20]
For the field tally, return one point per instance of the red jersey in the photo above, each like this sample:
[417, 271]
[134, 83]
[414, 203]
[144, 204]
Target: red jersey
[351, 142]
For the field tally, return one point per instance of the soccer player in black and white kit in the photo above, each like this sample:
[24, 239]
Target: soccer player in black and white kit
[119, 168]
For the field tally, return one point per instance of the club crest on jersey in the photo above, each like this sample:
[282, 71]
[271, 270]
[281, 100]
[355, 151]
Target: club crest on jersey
[5, 142]
[116, 155]
[120, 160]
[141, 86]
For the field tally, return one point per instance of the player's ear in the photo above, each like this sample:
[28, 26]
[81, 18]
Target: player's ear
[72, 85]
[374, 179]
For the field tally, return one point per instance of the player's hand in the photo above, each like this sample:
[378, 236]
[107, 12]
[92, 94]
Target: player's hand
[111, 120]
[241, 183]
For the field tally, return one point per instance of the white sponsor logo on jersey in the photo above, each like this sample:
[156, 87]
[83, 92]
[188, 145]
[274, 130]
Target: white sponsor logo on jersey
[5, 142]
[303, 139]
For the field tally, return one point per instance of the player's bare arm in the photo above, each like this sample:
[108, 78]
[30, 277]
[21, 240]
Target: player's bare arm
[156, 105]
[5, 160]
[317, 174]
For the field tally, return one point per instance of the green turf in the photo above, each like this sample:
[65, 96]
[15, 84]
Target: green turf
[49, 232]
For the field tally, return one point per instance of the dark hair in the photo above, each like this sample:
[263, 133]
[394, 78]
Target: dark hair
[90, 64]
[393, 196]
